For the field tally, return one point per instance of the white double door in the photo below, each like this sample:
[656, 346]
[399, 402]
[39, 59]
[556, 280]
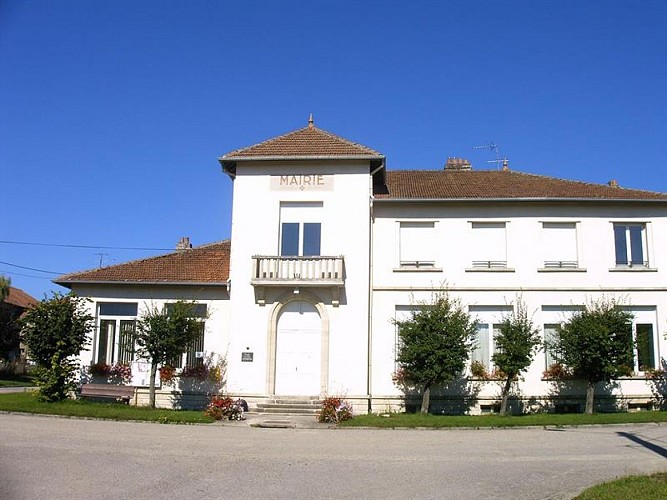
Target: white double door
[298, 350]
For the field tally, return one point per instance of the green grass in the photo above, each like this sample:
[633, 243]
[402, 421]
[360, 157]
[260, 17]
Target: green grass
[410, 420]
[16, 381]
[27, 402]
[635, 487]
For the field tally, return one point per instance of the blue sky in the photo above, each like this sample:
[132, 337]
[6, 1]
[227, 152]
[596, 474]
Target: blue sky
[112, 114]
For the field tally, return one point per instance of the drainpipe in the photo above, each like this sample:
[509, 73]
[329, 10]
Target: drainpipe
[369, 374]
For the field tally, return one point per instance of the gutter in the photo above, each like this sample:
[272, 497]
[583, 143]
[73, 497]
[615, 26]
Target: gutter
[229, 164]
[68, 284]
[529, 200]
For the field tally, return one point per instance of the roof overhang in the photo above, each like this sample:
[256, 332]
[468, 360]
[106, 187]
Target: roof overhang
[229, 164]
[69, 284]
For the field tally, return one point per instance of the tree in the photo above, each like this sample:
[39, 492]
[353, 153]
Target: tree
[516, 344]
[435, 343]
[55, 331]
[163, 334]
[596, 344]
[5, 283]
[10, 339]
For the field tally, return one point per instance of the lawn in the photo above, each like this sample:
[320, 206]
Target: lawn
[635, 487]
[17, 381]
[409, 420]
[27, 402]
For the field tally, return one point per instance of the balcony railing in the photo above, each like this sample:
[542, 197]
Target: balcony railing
[297, 271]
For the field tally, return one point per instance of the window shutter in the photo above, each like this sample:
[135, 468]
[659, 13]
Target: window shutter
[559, 244]
[417, 242]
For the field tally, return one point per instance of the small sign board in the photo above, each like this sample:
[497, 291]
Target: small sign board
[199, 354]
[246, 357]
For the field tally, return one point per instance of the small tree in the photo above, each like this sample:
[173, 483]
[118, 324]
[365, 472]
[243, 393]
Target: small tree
[516, 344]
[435, 343]
[163, 334]
[55, 331]
[10, 339]
[5, 283]
[596, 344]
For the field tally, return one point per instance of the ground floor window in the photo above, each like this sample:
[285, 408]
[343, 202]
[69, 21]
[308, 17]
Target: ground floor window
[194, 352]
[489, 319]
[115, 334]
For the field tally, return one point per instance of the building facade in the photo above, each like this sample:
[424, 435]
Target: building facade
[329, 248]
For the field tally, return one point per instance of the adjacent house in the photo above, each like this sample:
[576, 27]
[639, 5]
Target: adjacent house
[328, 247]
[11, 309]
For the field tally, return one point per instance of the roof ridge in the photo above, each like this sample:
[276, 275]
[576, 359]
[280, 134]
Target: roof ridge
[363, 150]
[143, 259]
[269, 140]
[348, 141]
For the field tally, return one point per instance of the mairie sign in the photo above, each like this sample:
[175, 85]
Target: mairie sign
[302, 182]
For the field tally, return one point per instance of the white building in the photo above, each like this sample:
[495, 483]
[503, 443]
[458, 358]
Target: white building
[328, 247]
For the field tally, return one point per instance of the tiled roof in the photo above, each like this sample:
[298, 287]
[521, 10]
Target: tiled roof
[19, 298]
[498, 184]
[307, 142]
[206, 264]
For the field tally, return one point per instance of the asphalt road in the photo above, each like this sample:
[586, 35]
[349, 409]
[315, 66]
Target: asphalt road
[54, 458]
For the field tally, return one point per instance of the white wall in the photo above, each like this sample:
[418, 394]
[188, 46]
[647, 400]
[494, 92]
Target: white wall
[543, 291]
[216, 338]
[256, 230]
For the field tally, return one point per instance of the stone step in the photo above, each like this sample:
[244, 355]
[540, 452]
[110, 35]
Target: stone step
[294, 401]
[288, 411]
[288, 405]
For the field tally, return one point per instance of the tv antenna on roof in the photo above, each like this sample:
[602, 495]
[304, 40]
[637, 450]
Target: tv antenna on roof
[504, 162]
[102, 254]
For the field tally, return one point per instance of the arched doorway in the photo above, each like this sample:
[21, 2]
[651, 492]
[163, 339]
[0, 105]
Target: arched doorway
[298, 348]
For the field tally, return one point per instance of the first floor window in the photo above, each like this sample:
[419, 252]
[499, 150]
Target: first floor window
[630, 245]
[300, 229]
[488, 245]
[300, 238]
[417, 244]
[559, 245]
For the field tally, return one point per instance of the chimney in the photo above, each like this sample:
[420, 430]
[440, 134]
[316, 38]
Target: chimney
[457, 164]
[613, 183]
[183, 244]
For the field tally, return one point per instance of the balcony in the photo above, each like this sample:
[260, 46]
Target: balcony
[311, 271]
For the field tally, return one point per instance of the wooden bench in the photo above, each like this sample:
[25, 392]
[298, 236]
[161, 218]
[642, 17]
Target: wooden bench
[121, 393]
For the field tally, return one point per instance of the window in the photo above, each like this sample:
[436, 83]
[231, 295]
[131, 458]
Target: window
[559, 245]
[417, 244]
[550, 333]
[115, 338]
[645, 349]
[485, 345]
[489, 319]
[489, 245]
[194, 352]
[630, 245]
[401, 313]
[644, 330]
[300, 229]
